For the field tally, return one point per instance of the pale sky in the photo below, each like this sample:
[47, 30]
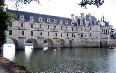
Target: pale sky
[64, 8]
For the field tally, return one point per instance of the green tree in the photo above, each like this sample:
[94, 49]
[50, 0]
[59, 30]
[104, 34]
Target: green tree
[97, 3]
[4, 19]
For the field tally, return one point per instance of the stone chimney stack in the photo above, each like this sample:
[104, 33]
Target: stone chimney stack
[89, 16]
[72, 17]
[82, 15]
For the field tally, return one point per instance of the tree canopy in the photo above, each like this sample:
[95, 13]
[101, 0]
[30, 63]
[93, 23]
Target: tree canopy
[97, 3]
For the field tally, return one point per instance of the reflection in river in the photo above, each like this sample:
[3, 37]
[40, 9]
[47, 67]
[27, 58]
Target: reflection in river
[80, 60]
[9, 51]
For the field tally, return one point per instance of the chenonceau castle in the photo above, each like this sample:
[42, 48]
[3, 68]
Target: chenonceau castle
[39, 29]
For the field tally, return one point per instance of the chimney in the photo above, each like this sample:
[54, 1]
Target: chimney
[82, 15]
[72, 17]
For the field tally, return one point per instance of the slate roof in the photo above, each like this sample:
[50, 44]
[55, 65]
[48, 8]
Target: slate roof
[57, 18]
[37, 15]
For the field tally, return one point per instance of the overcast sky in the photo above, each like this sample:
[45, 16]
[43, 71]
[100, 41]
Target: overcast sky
[65, 8]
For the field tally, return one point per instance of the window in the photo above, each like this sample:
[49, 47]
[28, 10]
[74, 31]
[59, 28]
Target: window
[61, 27]
[66, 22]
[66, 28]
[10, 24]
[81, 34]
[21, 16]
[21, 24]
[85, 28]
[41, 33]
[61, 34]
[48, 20]
[22, 32]
[90, 34]
[48, 33]
[56, 34]
[67, 34]
[54, 27]
[31, 17]
[40, 19]
[31, 33]
[10, 32]
[72, 29]
[72, 34]
[90, 28]
[31, 25]
[40, 25]
[48, 26]
[104, 31]
[61, 22]
[55, 21]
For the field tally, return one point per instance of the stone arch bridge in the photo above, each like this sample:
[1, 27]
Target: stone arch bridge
[37, 43]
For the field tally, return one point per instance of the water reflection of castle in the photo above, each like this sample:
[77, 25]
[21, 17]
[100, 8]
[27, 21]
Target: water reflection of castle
[77, 31]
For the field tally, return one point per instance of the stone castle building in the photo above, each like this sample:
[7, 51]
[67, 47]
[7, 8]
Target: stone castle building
[39, 29]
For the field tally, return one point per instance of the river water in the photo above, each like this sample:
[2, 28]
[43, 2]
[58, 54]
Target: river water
[67, 60]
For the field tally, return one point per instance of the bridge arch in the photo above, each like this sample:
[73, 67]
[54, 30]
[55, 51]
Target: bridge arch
[49, 42]
[32, 42]
[12, 41]
[61, 43]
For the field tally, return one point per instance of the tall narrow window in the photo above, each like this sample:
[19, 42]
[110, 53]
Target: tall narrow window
[10, 25]
[31, 25]
[48, 26]
[81, 34]
[61, 34]
[10, 32]
[54, 27]
[66, 28]
[61, 27]
[31, 33]
[40, 25]
[41, 33]
[48, 33]
[56, 34]
[72, 29]
[22, 32]
[106, 32]
[90, 28]
[90, 34]
[72, 34]
[21, 24]
[67, 34]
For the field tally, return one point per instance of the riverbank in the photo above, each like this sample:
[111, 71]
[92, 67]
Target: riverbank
[7, 66]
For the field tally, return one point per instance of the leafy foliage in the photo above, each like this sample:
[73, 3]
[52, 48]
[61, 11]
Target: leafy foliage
[97, 3]
[4, 19]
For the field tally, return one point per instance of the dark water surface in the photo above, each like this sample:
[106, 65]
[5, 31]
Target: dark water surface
[75, 60]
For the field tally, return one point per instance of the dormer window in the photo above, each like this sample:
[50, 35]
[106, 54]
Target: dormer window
[31, 18]
[60, 22]
[55, 21]
[48, 19]
[66, 22]
[21, 16]
[40, 19]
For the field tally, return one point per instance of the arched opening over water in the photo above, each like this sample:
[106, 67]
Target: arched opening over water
[32, 42]
[70, 43]
[9, 48]
[61, 43]
[48, 42]
[12, 41]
